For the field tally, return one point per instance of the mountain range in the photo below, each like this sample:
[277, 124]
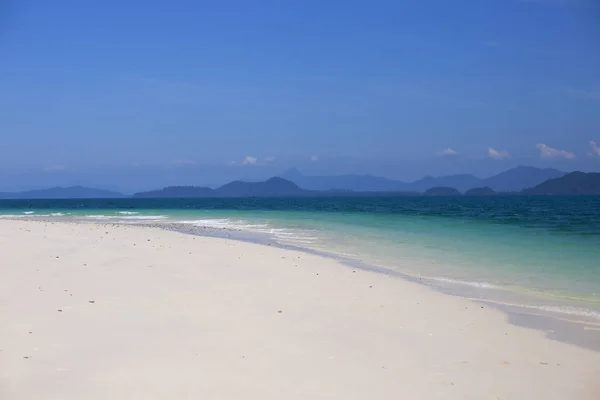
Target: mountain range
[531, 180]
[573, 183]
[513, 180]
[273, 187]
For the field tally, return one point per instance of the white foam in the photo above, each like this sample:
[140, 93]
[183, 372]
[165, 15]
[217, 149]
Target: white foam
[100, 217]
[103, 217]
[128, 212]
[143, 217]
[57, 214]
[210, 223]
[21, 216]
[566, 310]
[295, 241]
[224, 223]
[581, 312]
[279, 234]
[29, 212]
[482, 285]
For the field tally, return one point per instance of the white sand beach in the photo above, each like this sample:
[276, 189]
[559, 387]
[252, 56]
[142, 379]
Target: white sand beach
[95, 311]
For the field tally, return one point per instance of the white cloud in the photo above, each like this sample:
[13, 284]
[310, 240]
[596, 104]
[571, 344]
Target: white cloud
[498, 155]
[550, 153]
[595, 149]
[55, 168]
[183, 163]
[448, 152]
[249, 160]
[314, 158]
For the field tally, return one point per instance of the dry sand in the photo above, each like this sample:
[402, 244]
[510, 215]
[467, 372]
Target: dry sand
[93, 311]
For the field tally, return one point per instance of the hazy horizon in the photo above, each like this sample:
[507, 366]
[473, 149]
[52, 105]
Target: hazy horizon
[176, 178]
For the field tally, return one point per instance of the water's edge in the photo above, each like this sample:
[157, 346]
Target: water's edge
[583, 332]
[579, 329]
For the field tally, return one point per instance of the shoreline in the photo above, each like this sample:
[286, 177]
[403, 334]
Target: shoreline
[99, 310]
[573, 327]
[583, 332]
[455, 270]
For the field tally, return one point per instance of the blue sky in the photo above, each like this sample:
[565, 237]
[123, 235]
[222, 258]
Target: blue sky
[202, 92]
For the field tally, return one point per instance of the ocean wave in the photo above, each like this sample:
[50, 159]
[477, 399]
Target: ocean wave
[581, 312]
[99, 217]
[296, 238]
[57, 214]
[281, 235]
[128, 212]
[23, 216]
[476, 284]
[143, 217]
[225, 223]
[565, 310]
[103, 217]
[29, 212]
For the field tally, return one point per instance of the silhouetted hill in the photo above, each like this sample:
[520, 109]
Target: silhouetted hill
[571, 184]
[442, 191]
[73, 192]
[513, 180]
[291, 174]
[274, 187]
[178, 192]
[270, 188]
[460, 182]
[519, 178]
[480, 191]
[344, 182]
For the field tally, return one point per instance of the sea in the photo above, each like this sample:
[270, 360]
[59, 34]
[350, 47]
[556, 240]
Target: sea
[538, 255]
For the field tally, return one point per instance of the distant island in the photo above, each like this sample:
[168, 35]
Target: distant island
[512, 180]
[181, 192]
[480, 191]
[442, 191]
[274, 187]
[575, 183]
[572, 183]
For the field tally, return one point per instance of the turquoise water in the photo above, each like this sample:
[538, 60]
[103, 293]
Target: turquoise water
[547, 248]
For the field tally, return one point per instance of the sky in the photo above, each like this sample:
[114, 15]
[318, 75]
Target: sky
[139, 94]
